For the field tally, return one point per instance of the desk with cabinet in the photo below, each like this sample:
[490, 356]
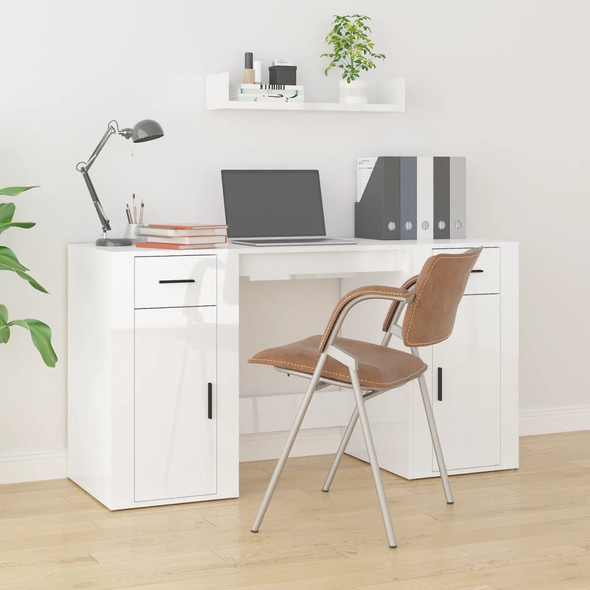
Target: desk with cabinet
[156, 340]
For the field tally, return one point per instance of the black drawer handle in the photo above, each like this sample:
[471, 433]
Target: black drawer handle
[210, 401]
[477, 270]
[440, 384]
[169, 281]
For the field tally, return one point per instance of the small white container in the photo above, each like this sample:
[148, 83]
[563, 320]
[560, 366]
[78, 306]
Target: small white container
[354, 92]
[257, 72]
[131, 232]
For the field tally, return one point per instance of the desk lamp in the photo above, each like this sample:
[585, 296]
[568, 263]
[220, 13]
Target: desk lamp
[145, 130]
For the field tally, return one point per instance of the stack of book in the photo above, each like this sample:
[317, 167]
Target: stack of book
[181, 236]
[267, 93]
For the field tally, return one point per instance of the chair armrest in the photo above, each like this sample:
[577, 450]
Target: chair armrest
[356, 296]
[409, 284]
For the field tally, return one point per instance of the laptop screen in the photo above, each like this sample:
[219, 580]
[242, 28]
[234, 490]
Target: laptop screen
[272, 203]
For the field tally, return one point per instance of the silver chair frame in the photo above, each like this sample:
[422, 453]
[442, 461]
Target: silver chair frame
[361, 395]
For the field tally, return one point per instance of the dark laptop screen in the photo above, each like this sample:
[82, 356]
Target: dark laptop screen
[271, 203]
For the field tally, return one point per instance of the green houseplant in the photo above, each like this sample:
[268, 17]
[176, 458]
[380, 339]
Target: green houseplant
[40, 332]
[353, 53]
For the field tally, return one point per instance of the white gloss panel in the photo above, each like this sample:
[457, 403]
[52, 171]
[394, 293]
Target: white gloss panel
[174, 281]
[175, 366]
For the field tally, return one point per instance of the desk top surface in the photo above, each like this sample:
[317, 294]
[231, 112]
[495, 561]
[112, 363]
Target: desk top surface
[361, 245]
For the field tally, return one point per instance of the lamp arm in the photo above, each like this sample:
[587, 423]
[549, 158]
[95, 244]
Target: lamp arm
[84, 167]
[106, 225]
[112, 128]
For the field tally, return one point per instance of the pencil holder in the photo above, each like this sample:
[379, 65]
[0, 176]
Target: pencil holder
[131, 232]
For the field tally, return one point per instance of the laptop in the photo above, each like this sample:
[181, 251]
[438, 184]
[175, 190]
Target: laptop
[275, 208]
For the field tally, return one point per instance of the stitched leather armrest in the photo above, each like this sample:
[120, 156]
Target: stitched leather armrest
[395, 304]
[372, 291]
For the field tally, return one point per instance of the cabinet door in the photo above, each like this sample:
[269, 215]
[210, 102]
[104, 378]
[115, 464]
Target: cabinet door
[175, 425]
[467, 405]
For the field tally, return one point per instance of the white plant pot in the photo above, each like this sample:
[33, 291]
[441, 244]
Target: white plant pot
[354, 92]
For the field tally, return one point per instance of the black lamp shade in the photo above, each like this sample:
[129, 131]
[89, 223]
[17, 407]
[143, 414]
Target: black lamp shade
[146, 130]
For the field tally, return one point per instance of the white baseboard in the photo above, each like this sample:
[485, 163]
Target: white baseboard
[33, 467]
[555, 420]
[268, 445]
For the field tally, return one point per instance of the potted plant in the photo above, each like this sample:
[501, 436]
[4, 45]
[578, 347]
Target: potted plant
[353, 53]
[40, 332]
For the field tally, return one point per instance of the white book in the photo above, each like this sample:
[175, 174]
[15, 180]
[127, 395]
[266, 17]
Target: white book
[211, 239]
[171, 232]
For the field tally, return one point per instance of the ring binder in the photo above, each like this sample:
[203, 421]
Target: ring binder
[410, 197]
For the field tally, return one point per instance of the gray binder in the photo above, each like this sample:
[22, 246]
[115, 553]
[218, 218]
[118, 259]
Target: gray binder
[386, 209]
[393, 190]
[442, 200]
[457, 196]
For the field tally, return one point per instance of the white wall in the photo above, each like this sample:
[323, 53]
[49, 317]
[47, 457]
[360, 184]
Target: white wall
[504, 83]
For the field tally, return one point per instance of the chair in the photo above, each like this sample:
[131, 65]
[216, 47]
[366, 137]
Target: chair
[430, 301]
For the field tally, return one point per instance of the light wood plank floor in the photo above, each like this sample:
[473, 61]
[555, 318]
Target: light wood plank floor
[521, 529]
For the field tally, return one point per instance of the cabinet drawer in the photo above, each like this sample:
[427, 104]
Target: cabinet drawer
[485, 276]
[175, 281]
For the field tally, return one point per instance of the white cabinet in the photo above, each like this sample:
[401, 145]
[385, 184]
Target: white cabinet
[175, 385]
[465, 371]
[465, 386]
[472, 379]
[175, 351]
[152, 400]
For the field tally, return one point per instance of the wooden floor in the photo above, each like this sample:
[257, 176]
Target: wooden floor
[507, 530]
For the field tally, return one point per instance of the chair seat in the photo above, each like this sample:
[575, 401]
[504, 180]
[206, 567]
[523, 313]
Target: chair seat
[379, 367]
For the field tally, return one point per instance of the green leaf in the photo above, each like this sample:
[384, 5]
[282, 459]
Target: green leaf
[32, 281]
[7, 212]
[9, 261]
[23, 224]
[6, 215]
[41, 337]
[12, 191]
[4, 329]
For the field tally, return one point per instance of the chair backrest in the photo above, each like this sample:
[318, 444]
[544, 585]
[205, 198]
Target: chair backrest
[430, 317]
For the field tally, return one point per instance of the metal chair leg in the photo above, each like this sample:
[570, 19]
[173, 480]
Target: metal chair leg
[435, 440]
[343, 444]
[360, 403]
[289, 444]
[345, 440]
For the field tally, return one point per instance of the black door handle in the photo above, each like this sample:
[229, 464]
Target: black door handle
[440, 384]
[210, 401]
[168, 281]
[477, 270]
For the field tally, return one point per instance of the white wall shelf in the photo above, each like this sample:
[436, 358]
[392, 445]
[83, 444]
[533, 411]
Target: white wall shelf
[217, 98]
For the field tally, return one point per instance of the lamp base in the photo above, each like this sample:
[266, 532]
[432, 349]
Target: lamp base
[114, 242]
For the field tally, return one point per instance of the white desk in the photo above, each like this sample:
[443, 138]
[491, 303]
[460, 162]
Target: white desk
[154, 402]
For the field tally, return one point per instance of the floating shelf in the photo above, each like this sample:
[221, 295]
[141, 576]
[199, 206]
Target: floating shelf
[217, 98]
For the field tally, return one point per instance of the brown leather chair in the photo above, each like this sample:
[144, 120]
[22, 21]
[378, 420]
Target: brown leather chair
[430, 302]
